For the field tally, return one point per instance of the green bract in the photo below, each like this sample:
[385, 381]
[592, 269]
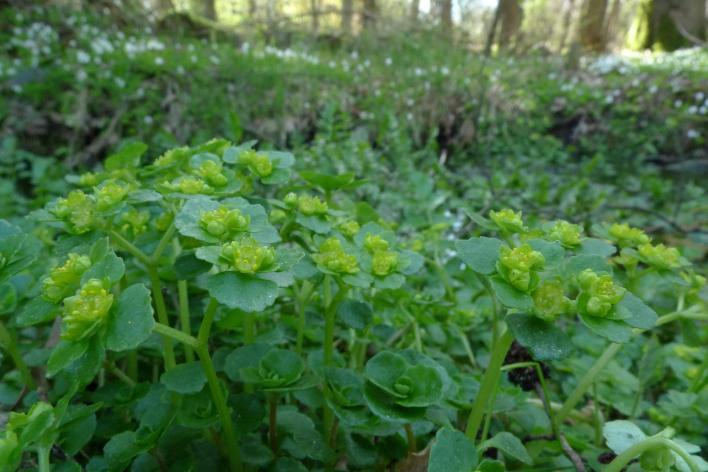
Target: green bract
[598, 293]
[400, 386]
[519, 266]
[626, 236]
[566, 233]
[247, 256]
[508, 221]
[64, 280]
[86, 311]
[333, 258]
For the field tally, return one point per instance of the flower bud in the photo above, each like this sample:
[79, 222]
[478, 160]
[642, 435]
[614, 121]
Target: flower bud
[135, 221]
[660, 256]
[190, 185]
[374, 242]
[626, 236]
[599, 293]
[247, 256]
[508, 221]
[549, 300]
[77, 211]
[290, 199]
[311, 205]
[519, 266]
[384, 262]
[332, 257]
[566, 233]
[222, 222]
[64, 279]
[211, 172]
[257, 163]
[110, 195]
[86, 311]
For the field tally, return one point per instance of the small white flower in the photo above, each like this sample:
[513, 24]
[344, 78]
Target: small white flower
[692, 109]
[678, 103]
[82, 57]
[388, 61]
[148, 120]
[159, 61]
[81, 75]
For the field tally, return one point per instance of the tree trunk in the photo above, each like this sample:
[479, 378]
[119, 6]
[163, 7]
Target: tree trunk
[415, 10]
[592, 21]
[347, 16]
[315, 15]
[370, 14]
[493, 29]
[667, 25]
[252, 9]
[566, 24]
[205, 8]
[511, 17]
[445, 7]
[611, 21]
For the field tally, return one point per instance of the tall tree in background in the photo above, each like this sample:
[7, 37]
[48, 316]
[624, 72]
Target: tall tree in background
[445, 9]
[415, 10]
[591, 30]
[493, 28]
[567, 17]
[370, 14]
[511, 17]
[667, 25]
[347, 16]
[205, 8]
[315, 15]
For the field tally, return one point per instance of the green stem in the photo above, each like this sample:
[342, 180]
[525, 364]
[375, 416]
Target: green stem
[7, 340]
[249, 335]
[489, 383]
[132, 366]
[410, 437]
[217, 394]
[119, 374]
[648, 444]
[161, 310]
[273, 422]
[175, 334]
[164, 241]
[328, 349]
[130, 247]
[587, 381]
[43, 458]
[302, 296]
[184, 317]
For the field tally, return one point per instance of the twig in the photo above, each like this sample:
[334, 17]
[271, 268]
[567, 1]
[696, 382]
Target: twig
[567, 449]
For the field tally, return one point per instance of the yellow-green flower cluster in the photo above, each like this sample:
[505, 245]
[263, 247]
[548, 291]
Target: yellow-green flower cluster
[135, 221]
[223, 222]
[566, 233]
[383, 261]
[627, 236]
[88, 179]
[86, 311]
[110, 194]
[247, 256]
[189, 185]
[210, 171]
[64, 279]
[598, 293]
[311, 206]
[257, 163]
[660, 256]
[518, 266]
[549, 300]
[332, 257]
[172, 157]
[508, 221]
[349, 228]
[77, 211]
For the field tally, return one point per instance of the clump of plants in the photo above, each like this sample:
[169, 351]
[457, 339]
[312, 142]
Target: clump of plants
[212, 309]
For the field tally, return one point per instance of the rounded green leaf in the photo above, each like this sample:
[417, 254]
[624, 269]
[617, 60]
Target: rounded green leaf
[239, 291]
[480, 254]
[131, 319]
[543, 339]
[185, 378]
[452, 451]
